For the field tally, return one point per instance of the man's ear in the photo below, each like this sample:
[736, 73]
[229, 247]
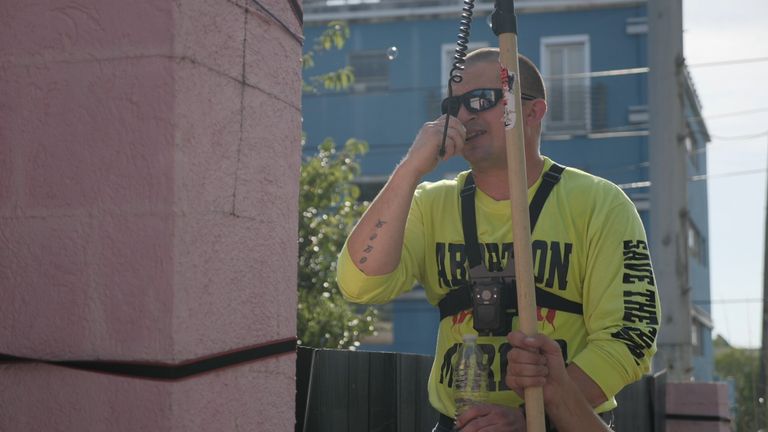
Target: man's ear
[536, 110]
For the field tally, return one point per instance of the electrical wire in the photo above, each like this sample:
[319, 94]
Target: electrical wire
[647, 183]
[729, 114]
[730, 301]
[740, 137]
[729, 62]
[297, 38]
[298, 12]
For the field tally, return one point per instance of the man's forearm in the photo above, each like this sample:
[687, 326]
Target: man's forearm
[571, 412]
[589, 388]
[376, 241]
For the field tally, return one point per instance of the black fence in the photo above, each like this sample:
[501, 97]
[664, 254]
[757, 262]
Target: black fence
[348, 391]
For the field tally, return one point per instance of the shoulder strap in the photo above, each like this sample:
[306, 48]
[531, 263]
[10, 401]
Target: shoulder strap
[548, 181]
[469, 221]
[460, 299]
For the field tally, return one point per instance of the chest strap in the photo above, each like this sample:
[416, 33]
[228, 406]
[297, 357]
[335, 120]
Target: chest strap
[460, 299]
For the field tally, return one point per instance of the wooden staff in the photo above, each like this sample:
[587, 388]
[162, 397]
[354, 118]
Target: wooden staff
[504, 23]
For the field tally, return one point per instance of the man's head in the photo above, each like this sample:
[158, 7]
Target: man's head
[482, 116]
[531, 82]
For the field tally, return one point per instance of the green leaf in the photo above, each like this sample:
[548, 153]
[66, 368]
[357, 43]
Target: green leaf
[327, 211]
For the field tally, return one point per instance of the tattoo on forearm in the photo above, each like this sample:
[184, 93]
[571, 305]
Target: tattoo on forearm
[369, 247]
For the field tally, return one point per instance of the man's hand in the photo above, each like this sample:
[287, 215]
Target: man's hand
[491, 418]
[423, 155]
[535, 361]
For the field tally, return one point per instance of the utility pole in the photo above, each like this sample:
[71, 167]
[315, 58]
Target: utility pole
[762, 385]
[669, 187]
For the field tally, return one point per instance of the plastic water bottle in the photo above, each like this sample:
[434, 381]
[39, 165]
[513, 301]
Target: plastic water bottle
[470, 376]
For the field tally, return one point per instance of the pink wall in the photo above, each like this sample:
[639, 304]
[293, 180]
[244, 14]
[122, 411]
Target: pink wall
[149, 161]
[698, 407]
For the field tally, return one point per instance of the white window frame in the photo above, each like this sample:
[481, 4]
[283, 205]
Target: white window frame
[583, 39]
[446, 61]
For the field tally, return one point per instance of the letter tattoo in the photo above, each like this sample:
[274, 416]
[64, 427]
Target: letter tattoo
[369, 248]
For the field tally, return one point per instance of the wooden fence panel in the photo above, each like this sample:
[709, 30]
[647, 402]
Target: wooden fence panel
[349, 391]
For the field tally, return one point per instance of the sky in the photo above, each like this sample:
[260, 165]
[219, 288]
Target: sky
[717, 31]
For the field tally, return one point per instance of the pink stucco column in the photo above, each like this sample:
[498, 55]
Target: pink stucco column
[149, 163]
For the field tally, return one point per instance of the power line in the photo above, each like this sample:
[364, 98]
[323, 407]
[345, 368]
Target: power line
[296, 37]
[730, 114]
[647, 183]
[729, 62]
[730, 301]
[740, 137]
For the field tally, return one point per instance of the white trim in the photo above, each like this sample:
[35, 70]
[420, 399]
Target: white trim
[563, 40]
[700, 315]
[635, 185]
[637, 25]
[638, 114]
[521, 7]
[371, 179]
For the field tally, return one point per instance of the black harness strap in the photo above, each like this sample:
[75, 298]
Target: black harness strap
[470, 226]
[460, 299]
[548, 181]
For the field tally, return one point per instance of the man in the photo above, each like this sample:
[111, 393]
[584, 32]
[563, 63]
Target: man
[589, 250]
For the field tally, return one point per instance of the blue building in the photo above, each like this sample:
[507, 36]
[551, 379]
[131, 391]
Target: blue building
[593, 56]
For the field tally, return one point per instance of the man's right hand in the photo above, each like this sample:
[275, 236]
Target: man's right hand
[375, 243]
[424, 153]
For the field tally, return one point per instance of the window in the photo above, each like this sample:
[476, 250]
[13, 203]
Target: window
[696, 338]
[371, 69]
[446, 61]
[697, 244]
[565, 65]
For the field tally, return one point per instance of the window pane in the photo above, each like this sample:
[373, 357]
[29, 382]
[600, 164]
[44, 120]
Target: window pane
[556, 90]
[371, 70]
[568, 96]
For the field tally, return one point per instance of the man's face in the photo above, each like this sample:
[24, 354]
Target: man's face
[485, 145]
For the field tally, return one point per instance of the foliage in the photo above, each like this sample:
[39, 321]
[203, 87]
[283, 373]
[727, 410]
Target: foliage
[334, 37]
[742, 366]
[329, 209]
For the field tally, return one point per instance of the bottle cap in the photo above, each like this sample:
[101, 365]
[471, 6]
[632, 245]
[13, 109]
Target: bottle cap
[468, 337]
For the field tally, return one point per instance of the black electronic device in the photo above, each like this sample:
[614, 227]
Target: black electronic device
[489, 292]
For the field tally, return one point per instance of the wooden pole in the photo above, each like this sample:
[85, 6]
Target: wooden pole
[505, 27]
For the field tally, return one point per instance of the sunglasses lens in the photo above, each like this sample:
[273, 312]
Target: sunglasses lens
[480, 100]
[474, 101]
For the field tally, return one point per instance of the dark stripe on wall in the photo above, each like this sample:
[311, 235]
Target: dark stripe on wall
[697, 417]
[170, 372]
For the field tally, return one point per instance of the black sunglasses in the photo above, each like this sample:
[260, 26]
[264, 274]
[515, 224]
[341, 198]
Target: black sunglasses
[475, 101]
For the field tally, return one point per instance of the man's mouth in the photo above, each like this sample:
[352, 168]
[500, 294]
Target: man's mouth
[474, 134]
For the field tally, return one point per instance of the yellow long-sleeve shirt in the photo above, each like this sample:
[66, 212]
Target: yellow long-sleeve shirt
[589, 246]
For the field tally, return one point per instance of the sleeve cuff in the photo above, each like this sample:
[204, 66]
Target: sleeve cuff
[601, 367]
[358, 287]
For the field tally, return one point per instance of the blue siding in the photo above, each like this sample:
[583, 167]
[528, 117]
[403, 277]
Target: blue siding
[390, 119]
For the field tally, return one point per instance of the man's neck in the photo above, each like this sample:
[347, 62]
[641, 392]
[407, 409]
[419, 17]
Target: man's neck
[495, 183]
